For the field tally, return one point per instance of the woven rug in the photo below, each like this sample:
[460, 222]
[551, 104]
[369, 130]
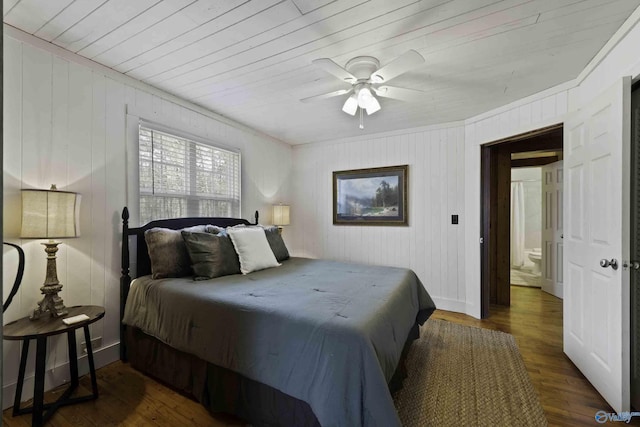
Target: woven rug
[465, 376]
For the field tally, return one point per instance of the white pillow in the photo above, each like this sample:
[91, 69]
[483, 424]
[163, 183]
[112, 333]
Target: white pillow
[253, 249]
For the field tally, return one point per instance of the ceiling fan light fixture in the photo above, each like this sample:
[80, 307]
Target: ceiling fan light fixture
[366, 77]
[364, 97]
[373, 106]
[351, 105]
[367, 101]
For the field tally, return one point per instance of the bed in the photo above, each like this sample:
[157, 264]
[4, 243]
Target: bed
[311, 342]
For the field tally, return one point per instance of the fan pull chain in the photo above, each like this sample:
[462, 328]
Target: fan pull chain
[361, 119]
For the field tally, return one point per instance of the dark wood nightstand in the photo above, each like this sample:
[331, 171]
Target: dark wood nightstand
[25, 330]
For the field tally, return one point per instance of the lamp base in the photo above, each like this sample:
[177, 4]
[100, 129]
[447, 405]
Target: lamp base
[51, 302]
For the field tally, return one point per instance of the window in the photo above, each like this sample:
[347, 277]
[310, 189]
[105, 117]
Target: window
[180, 177]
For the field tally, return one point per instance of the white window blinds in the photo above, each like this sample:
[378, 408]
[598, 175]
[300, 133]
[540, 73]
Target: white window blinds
[180, 177]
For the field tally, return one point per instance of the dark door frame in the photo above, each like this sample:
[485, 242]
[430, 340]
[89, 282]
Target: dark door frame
[495, 223]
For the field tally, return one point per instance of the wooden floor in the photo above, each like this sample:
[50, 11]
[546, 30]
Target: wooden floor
[535, 319]
[127, 398]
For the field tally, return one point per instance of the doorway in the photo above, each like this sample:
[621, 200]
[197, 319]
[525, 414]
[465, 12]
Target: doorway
[526, 225]
[533, 149]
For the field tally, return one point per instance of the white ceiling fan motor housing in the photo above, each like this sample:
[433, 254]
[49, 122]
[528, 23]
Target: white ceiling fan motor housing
[362, 67]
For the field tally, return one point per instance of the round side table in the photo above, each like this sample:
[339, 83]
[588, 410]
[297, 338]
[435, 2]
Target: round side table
[40, 329]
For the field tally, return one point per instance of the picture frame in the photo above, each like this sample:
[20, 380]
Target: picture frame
[374, 196]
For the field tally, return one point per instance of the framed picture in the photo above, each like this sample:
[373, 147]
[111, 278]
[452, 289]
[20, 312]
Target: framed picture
[376, 196]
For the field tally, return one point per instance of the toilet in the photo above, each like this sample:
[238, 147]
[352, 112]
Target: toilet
[535, 256]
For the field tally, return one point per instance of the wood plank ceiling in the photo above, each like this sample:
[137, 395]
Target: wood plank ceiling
[251, 60]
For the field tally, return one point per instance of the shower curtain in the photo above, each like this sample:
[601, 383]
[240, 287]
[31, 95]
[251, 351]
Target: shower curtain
[517, 224]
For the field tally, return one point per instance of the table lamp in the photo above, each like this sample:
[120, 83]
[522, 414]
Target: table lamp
[280, 216]
[50, 214]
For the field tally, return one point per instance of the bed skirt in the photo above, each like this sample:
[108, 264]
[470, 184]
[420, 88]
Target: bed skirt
[221, 390]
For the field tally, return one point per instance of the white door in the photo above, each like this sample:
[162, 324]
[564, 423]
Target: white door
[552, 245]
[596, 229]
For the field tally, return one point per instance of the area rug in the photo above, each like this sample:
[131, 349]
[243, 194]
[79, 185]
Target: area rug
[466, 376]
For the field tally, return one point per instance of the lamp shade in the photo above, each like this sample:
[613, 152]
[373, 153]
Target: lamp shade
[372, 106]
[351, 105]
[280, 215]
[49, 214]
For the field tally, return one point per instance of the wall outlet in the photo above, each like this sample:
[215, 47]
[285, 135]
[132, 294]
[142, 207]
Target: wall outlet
[95, 344]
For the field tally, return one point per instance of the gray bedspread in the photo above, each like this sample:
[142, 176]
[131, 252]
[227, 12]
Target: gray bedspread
[328, 333]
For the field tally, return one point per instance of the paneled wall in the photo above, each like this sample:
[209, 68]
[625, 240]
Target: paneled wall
[430, 245]
[64, 124]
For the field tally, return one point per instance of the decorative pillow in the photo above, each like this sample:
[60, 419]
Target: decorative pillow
[168, 253]
[212, 255]
[276, 243]
[253, 249]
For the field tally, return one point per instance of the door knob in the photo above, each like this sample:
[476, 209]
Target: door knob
[635, 265]
[604, 263]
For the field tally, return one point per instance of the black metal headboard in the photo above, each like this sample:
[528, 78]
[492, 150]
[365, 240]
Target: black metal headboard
[143, 263]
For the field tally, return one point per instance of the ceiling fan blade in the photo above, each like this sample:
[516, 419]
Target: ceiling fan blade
[399, 93]
[400, 65]
[332, 68]
[327, 95]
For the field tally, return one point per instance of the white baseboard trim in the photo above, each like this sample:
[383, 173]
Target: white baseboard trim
[59, 375]
[450, 305]
[473, 310]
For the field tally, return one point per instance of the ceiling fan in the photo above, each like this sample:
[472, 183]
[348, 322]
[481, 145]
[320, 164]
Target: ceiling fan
[367, 78]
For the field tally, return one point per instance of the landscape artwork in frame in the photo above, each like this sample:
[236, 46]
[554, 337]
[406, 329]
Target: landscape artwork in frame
[376, 196]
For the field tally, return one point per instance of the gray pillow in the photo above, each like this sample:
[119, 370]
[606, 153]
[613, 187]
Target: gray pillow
[277, 244]
[168, 253]
[212, 255]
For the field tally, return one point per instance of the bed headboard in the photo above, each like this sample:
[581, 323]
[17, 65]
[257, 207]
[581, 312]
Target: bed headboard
[142, 261]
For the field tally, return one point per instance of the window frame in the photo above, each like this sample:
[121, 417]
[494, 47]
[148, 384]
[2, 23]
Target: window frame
[192, 196]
